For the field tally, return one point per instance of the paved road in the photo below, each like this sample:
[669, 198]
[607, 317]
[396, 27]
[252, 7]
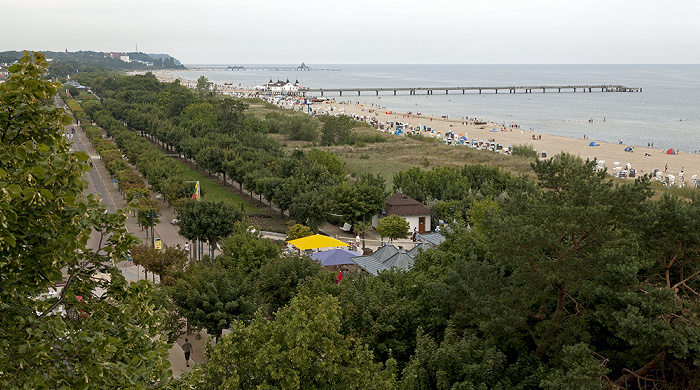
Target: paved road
[100, 183]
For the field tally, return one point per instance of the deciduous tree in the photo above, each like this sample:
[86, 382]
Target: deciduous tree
[393, 227]
[60, 340]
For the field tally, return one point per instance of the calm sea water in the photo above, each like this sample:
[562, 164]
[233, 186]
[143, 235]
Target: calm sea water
[666, 113]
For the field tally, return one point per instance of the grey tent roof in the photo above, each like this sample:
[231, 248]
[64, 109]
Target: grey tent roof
[374, 263]
[369, 264]
[384, 253]
[433, 238]
[423, 245]
[400, 260]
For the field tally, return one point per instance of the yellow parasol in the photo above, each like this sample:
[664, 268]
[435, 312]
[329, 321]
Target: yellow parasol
[317, 241]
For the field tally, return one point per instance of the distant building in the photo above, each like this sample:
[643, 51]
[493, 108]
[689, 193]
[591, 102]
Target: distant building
[413, 211]
[119, 56]
[282, 87]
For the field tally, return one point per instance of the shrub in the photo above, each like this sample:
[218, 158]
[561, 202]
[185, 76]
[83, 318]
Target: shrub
[524, 151]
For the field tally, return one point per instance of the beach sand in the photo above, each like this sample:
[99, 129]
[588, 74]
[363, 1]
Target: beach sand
[643, 159]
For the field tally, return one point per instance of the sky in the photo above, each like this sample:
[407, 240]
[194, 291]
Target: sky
[364, 31]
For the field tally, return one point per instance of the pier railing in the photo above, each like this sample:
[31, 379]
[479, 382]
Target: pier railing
[510, 89]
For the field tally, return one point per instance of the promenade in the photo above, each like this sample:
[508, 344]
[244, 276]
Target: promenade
[100, 182]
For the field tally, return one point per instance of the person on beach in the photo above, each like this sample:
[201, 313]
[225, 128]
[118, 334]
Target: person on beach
[666, 168]
[187, 348]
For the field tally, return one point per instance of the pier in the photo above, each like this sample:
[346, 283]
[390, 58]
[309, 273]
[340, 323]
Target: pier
[302, 68]
[510, 89]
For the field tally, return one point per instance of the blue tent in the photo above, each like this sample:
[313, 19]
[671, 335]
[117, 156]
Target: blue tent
[593, 144]
[334, 257]
[628, 149]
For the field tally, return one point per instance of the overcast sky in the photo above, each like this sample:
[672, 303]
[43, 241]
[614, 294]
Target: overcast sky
[363, 31]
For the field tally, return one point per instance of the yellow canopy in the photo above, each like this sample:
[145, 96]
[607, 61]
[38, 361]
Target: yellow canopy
[317, 241]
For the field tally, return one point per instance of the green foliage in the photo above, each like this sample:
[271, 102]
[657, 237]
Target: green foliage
[281, 278]
[579, 369]
[527, 151]
[203, 86]
[245, 252]
[302, 348]
[165, 263]
[311, 207]
[211, 297]
[148, 211]
[298, 231]
[300, 128]
[337, 130]
[208, 221]
[58, 340]
[393, 227]
[457, 363]
[333, 164]
[450, 183]
[360, 200]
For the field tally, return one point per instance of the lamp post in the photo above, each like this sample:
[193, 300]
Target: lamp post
[152, 215]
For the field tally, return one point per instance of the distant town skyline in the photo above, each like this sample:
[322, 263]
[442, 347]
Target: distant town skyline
[363, 31]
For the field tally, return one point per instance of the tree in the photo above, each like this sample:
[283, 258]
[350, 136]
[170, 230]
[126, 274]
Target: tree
[148, 212]
[302, 348]
[298, 231]
[203, 86]
[164, 263]
[360, 200]
[337, 130]
[245, 251]
[211, 297]
[208, 221]
[312, 208]
[281, 277]
[393, 227]
[44, 227]
[465, 363]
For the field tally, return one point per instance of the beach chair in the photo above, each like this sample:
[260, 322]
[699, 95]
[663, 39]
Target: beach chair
[346, 227]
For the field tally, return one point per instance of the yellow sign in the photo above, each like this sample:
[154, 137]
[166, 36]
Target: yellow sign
[158, 244]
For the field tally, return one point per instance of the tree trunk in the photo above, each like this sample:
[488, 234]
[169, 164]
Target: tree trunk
[641, 373]
[560, 298]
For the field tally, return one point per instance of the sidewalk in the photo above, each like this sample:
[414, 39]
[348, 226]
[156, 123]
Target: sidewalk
[165, 231]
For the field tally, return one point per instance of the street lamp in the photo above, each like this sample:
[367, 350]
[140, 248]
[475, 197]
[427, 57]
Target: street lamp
[152, 214]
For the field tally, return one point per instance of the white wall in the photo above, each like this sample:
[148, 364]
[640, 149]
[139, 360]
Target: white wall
[412, 221]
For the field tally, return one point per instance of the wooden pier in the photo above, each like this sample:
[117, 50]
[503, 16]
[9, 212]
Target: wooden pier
[260, 68]
[510, 89]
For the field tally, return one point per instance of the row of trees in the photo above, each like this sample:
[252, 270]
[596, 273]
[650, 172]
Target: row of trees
[221, 138]
[568, 282]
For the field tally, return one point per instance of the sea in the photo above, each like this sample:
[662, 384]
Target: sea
[666, 112]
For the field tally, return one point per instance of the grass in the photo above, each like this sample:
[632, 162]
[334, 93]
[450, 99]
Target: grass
[401, 153]
[213, 191]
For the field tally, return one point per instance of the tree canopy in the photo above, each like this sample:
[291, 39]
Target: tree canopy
[74, 336]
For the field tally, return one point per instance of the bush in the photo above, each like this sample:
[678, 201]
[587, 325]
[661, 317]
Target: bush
[524, 151]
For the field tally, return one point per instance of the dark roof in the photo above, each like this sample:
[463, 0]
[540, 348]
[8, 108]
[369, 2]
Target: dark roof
[421, 246]
[401, 260]
[402, 205]
[433, 238]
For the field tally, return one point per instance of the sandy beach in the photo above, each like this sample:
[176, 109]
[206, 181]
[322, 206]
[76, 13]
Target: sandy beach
[643, 159]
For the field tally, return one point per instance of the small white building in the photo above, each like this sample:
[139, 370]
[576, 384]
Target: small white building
[282, 87]
[413, 211]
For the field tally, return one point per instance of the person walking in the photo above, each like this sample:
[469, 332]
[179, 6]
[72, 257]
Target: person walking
[187, 348]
